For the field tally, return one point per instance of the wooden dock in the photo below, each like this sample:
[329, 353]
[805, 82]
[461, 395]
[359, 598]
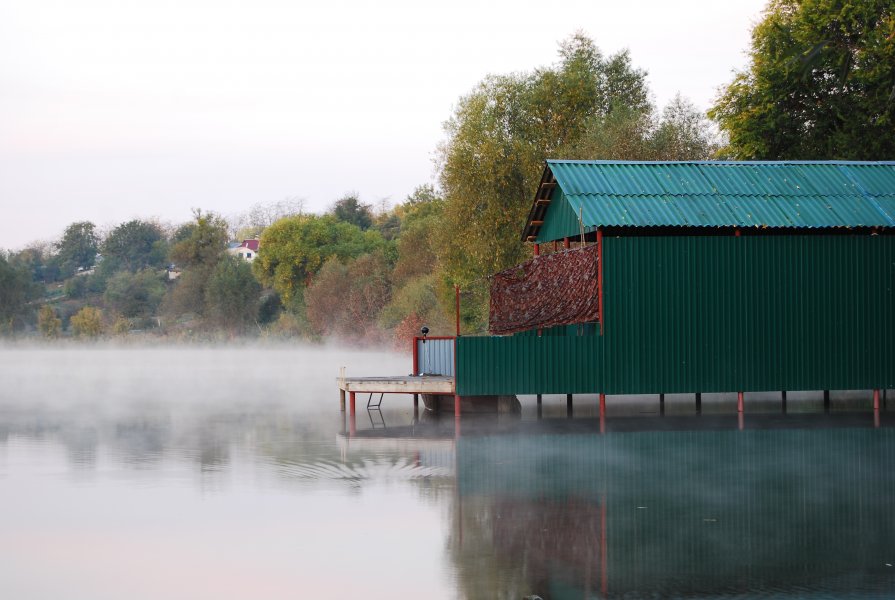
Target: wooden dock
[402, 384]
[399, 384]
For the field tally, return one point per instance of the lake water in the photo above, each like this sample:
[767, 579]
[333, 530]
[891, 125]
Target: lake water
[227, 473]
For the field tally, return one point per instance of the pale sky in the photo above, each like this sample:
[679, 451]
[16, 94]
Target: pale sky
[117, 109]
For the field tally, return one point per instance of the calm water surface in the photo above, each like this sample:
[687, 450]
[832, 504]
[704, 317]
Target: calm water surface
[227, 473]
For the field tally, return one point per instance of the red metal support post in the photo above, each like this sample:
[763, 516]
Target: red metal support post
[416, 357]
[565, 243]
[457, 293]
[739, 402]
[352, 417]
[537, 249]
[875, 399]
[600, 275]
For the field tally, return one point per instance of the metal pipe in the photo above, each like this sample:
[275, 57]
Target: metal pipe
[826, 401]
[739, 402]
[783, 397]
[537, 249]
[698, 402]
[565, 243]
[661, 404]
[876, 399]
[457, 294]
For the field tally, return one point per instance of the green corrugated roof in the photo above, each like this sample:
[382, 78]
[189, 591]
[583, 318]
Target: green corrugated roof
[723, 194]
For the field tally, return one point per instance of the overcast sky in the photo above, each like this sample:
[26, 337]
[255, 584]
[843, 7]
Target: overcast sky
[116, 109]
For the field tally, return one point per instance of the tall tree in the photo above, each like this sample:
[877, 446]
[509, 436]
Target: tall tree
[500, 135]
[200, 247]
[233, 295]
[135, 245]
[16, 290]
[350, 210]
[820, 84]
[78, 247]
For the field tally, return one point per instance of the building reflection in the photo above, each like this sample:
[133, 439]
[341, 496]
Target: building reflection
[786, 506]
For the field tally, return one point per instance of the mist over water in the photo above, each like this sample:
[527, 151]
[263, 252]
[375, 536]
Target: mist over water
[227, 472]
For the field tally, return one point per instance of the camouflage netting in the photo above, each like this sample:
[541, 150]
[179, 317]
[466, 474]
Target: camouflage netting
[549, 290]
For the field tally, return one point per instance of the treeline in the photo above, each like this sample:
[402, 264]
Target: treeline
[818, 86]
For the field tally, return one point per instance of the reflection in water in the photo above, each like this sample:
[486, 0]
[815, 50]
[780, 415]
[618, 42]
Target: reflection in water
[233, 476]
[779, 512]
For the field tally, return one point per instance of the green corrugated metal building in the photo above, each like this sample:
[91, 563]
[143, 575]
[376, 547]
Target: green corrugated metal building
[716, 277]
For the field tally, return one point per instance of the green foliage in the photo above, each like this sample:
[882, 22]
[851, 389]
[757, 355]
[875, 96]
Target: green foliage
[76, 287]
[87, 322]
[136, 245]
[121, 326]
[200, 246]
[350, 210]
[16, 290]
[135, 294]
[294, 249]
[420, 297]
[500, 135]
[422, 213]
[78, 247]
[820, 84]
[201, 243]
[34, 259]
[586, 107]
[48, 323]
[233, 295]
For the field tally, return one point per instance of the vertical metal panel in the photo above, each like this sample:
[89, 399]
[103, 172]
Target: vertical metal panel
[436, 357]
[715, 314]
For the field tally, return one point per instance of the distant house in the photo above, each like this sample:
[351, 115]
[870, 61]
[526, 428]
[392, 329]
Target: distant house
[246, 250]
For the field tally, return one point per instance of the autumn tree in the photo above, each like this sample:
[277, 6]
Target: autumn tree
[48, 323]
[87, 322]
[345, 299]
[820, 84]
[295, 248]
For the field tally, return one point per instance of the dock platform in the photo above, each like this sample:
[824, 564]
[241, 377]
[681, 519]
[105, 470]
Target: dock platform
[400, 384]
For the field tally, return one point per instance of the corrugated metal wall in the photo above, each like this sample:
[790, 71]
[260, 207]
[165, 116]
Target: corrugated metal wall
[436, 357]
[715, 314]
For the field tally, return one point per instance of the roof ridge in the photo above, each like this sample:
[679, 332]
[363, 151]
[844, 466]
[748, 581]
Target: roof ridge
[744, 163]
